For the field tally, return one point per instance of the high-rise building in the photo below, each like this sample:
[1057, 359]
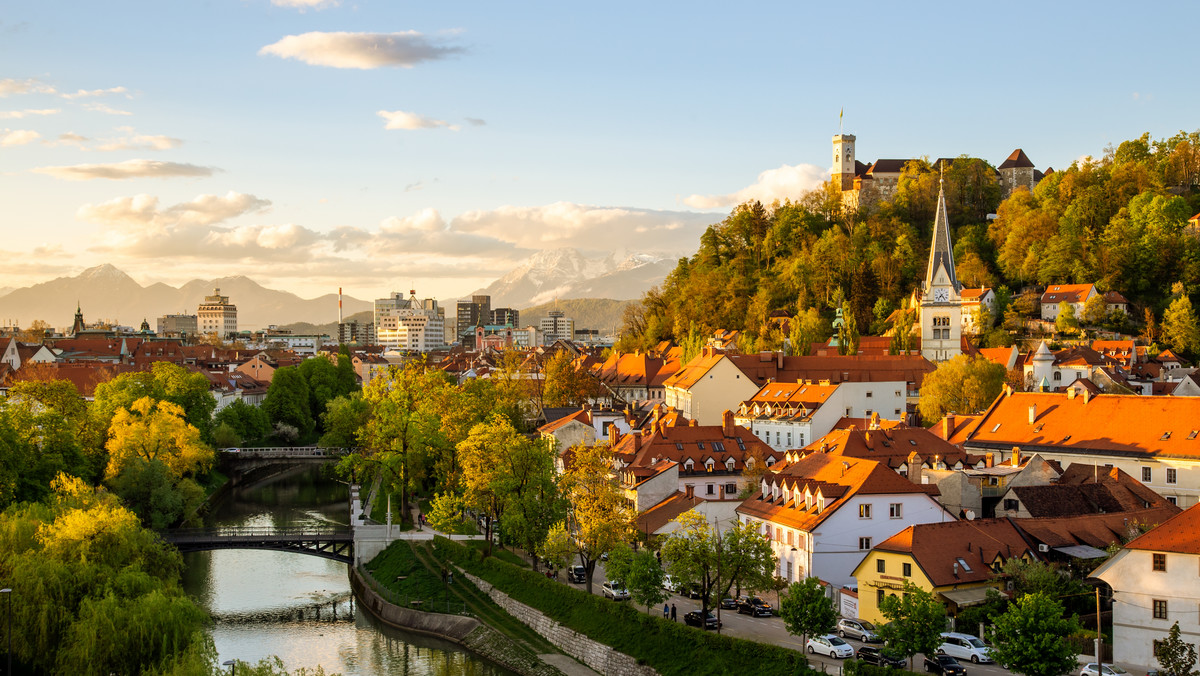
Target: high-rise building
[409, 325]
[470, 314]
[217, 316]
[504, 316]
[361, 333]
[177, 326]
[556, 326]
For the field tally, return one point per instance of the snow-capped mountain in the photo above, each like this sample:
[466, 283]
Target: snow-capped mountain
[567, 273]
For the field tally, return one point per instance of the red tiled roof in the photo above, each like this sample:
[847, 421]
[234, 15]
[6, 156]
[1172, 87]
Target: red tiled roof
[651, 520]
[1066, 293]
[1017, 160]
[1180, 533]
[892, 447]
[973, 545]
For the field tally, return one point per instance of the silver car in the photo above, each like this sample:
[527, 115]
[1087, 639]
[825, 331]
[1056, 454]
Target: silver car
[614, 590]
[859, 629]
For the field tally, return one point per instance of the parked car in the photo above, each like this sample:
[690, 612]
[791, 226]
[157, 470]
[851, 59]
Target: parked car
[965, 647]
[859, 629]
[829, 645]
[693, 619]
[1091, 669]
[614, 590]
[231, 450]
[670, 584]
[873, 655]
[945, 665]
[753, 606]
[577, 574]
[692, 591]
[728, 604]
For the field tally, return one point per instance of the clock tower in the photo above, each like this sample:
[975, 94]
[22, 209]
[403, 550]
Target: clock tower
[941, 302]
[843, 160]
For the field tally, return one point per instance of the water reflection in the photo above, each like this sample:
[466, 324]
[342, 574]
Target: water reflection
[300, 607]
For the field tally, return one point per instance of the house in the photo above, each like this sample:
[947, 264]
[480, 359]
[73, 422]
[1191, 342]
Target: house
[1082, 489]
[1154, 439]
[1155, 585]
[1050, 371]
[956, 561]
[638, 376]
[583, 425]
[1124, 352]
[1114, 301]
[823, 513]
[792, 415]
[976, 303]
[1075, 294]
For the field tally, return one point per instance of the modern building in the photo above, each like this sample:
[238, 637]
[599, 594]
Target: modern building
[409, 325]
[356, 332]
[505, 316]
[556, 326]
[217, 316]
[177, 326]
[470, 314]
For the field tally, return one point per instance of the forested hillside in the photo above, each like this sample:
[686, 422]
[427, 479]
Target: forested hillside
[1120, 221]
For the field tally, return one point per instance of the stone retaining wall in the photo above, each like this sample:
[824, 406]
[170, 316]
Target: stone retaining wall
[594, 654]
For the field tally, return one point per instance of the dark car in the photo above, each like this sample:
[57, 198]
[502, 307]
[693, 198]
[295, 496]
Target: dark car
[693, 619]
[944, 665]
[728, 604]
[754, 606]
[577, 574]
[693, 591]
[872, 655]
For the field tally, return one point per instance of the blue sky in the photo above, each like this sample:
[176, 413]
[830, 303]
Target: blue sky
[376, 145]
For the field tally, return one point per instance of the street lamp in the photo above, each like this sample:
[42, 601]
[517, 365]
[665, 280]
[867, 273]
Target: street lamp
[232, 664]
[8, 594]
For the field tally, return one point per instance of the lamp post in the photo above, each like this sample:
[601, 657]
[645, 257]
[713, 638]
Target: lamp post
[232, 664]
[8, 594]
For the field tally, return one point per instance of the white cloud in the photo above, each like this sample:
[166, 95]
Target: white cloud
[18, 137]
[86, 93]
[108, 110]
[398, 119]
[135, 141]
[360, 50]
[143, 210]
[10, 86]
[69, 138]
[126, 169]
[18, 114]
[306, 4]
[426, 220]
[786, 182]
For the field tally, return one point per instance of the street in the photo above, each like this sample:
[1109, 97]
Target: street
[771, 630]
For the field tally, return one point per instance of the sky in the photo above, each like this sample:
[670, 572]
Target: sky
[386, 145]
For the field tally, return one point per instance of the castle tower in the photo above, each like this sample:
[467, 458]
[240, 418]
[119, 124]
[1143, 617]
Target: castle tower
[843, 160]
[941, 302]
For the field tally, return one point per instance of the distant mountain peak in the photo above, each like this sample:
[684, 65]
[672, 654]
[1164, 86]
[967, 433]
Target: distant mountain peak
[568, 273]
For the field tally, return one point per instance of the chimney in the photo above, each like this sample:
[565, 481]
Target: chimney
[1070, 393]
[692, 423]
[662, 428]
[1032, 413]
[989, 460]
[1087, 396]
[1016, 456]
[688, 491]
[779, 360]
[614, 434]
[845, 466]
[727, 424]
[914, 469]
[764, 356]
[637, 441]
[948, 426]
[955, 569]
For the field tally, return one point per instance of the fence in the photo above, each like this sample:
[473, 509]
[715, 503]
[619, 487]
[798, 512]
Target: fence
[1087, 646]
[426, 604]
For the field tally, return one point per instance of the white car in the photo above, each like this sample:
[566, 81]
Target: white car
[614, 590]
[965, 647]
[829, 645]
[1092, 669]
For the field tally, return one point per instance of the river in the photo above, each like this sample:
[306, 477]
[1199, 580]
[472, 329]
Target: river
[300, 607]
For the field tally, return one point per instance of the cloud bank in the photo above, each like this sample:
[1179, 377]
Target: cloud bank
[126, 169]
[18, 137]
[360, 50]
[786, 182]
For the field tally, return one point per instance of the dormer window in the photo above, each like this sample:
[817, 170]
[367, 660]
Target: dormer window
[708, 465]
[729, 465]
[689, 464]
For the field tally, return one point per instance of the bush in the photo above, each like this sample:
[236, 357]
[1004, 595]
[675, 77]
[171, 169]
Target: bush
[647, 638]
[858, 668]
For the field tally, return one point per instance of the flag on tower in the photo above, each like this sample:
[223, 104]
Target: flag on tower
[840, 114]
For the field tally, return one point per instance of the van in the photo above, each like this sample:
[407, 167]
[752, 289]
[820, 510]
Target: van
[965, 647]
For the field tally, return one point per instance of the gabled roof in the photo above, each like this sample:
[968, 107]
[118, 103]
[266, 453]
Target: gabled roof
[1067, 293]
[653, 519]
[891, 447]
[887, 166]
[696, 443]
[1094, 530]
[1180, 533]
[1017, 160]
[974, 546]
[941, 251]
[973, 295]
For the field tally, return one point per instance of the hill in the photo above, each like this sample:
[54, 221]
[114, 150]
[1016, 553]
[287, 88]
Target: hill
[589, 313]
[329, 329]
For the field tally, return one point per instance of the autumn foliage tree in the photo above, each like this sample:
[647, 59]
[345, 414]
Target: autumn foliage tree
[156, 430]
[598, 517]
[964, 385]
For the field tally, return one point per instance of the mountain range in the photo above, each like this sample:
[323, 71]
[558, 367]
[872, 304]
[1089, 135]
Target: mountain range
[566, 273]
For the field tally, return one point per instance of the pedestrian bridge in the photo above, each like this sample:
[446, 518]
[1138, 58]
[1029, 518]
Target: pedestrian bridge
[336, 544]
[247, 459]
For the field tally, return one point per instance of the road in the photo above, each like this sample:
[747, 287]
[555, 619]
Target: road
[771, 630]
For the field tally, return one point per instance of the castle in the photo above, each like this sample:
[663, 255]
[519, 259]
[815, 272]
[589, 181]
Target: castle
[863, 185]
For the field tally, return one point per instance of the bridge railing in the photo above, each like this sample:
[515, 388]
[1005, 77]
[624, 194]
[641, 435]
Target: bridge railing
[298, 532]
[287, 452]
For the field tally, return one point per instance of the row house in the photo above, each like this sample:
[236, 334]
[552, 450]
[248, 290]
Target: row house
[792, 415]
[823, 513]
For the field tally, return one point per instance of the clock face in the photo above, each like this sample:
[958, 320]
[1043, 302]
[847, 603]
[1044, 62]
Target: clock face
[941, 295]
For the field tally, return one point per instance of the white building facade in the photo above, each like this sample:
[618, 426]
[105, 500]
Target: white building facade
[216, 315]
[410, 325]
[785, 416]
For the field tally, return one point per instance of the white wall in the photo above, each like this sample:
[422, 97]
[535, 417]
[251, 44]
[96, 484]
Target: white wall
[1135, 588]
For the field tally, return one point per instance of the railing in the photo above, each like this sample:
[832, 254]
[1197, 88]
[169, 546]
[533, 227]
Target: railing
[287, 452]
[427, 604]
[234, 532]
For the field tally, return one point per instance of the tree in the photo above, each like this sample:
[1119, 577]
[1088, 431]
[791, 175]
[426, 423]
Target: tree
[598, 516]
[567, 382]
[1095, 311]
[288, 400]
[806, 610]
[249, 423]
[152, 491]
[640, 573]
[806, 328]
[558, 548]
[963, 385]
[1030, 638]
[915, 621]
[1179, 327]
[1175, 656]
[714, 561]
[156, 430]
[342, 420]
[1066, 321]
[166, 382]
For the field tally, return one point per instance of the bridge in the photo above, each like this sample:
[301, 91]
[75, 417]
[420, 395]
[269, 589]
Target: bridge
[249, 459]
[328, 543]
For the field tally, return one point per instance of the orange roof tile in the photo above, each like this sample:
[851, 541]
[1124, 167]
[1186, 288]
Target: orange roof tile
[960, 552]
[1180, 533]
[1066, 293]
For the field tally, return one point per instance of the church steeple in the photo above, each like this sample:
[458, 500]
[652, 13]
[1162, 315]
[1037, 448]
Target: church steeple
[78, 326]
[941, 251]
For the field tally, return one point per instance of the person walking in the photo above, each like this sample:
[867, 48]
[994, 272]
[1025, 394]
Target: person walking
[666, 611]
[673, 613]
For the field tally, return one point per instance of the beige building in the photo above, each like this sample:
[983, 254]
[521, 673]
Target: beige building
[216, 315]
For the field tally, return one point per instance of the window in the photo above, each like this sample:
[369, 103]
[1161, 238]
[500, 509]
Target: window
[1159, 563]
[730, 489]
[1058, 375]
[789, 571]
[1172, 499]
[864, 511]
[878, 597]
[907, 569]
[869, 394]
[1160, 609]
[897, 411]
[1010, 504]
[711, 490]
[1146, 475]
[895, 510]
[1171, 476]
[897, 393]
[789, 537]
[700, 445]
[864, 543]
[880, 566]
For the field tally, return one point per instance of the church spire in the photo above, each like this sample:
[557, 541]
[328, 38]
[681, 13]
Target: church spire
[941, 251]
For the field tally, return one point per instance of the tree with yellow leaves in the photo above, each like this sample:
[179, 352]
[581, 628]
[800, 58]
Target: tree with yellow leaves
[156, 430]
[598, 516]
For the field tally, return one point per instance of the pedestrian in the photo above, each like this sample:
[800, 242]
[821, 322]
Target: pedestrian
[666, 611]
[450, 577]
[673, 613]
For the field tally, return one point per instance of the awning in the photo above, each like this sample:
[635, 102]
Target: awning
[972, 596]
[1082, 552]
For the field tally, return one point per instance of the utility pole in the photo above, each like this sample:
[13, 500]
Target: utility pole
[1099, 637]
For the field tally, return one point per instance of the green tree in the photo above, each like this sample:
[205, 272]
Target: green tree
[915, 621]
[806, 610]
[1179, 327]
[807, 327]
[599, 517]
[963, 385]
[1095, 311]
[1066, 321]
[1175, 656]
[714, 561]
[288, 400]
[37, 442]
[156, 430]
[1031, 637]
[165, 382]
[567, 382]
[640, 572]
[343, 420]
[157, 495]
[250, 423]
